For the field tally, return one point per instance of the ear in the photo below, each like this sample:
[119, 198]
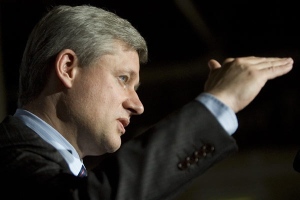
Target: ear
[66, 65]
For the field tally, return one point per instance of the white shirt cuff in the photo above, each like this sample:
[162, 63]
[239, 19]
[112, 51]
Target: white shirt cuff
[223, 113]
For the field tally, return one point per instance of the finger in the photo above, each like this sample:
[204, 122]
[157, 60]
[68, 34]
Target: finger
[257, 60]
[273, 63]
[228, 60]
[279, 70]
[213, 64]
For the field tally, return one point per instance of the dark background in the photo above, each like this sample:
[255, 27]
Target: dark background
[180, 44]
[182, 36]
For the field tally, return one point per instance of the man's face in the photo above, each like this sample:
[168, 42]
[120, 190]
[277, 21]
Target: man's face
[103, 98]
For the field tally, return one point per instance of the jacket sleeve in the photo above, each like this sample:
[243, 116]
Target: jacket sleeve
[163, 161]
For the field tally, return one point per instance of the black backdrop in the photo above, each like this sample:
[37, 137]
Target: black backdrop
[179, 49]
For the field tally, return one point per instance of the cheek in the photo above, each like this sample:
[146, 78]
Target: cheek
[87, 99]
[102, 100]
[100, 94]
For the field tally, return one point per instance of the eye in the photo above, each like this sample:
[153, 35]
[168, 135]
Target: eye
[124, 78]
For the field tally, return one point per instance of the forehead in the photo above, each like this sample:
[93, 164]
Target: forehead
[122, 61]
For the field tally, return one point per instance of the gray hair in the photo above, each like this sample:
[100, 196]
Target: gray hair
[89, 31]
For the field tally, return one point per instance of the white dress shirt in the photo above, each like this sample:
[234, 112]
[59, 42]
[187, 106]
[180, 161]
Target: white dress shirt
[50, 135]
[223, 113]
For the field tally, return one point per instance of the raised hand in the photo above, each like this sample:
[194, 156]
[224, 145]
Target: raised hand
[238, 80]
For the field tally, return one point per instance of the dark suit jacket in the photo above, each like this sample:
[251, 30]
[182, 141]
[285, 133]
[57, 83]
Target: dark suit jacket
[156, 165]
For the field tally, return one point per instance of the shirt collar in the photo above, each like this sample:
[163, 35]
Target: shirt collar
[53, 137]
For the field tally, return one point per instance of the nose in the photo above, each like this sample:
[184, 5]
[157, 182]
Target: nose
[134, 104]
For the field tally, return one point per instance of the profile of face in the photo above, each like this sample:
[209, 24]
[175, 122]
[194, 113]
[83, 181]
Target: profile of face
[102, 100]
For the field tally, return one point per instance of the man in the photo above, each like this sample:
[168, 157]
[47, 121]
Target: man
[78, 91]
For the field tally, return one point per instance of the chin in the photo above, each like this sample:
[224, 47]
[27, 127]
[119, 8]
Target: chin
[113, 147]
[112, 150]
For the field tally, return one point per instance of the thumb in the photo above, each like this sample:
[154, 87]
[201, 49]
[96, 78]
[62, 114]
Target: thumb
[213, 64]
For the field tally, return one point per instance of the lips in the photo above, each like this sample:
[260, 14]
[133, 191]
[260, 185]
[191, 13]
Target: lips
[123, 123]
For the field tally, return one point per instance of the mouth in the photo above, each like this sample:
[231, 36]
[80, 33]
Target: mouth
[124, 122]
